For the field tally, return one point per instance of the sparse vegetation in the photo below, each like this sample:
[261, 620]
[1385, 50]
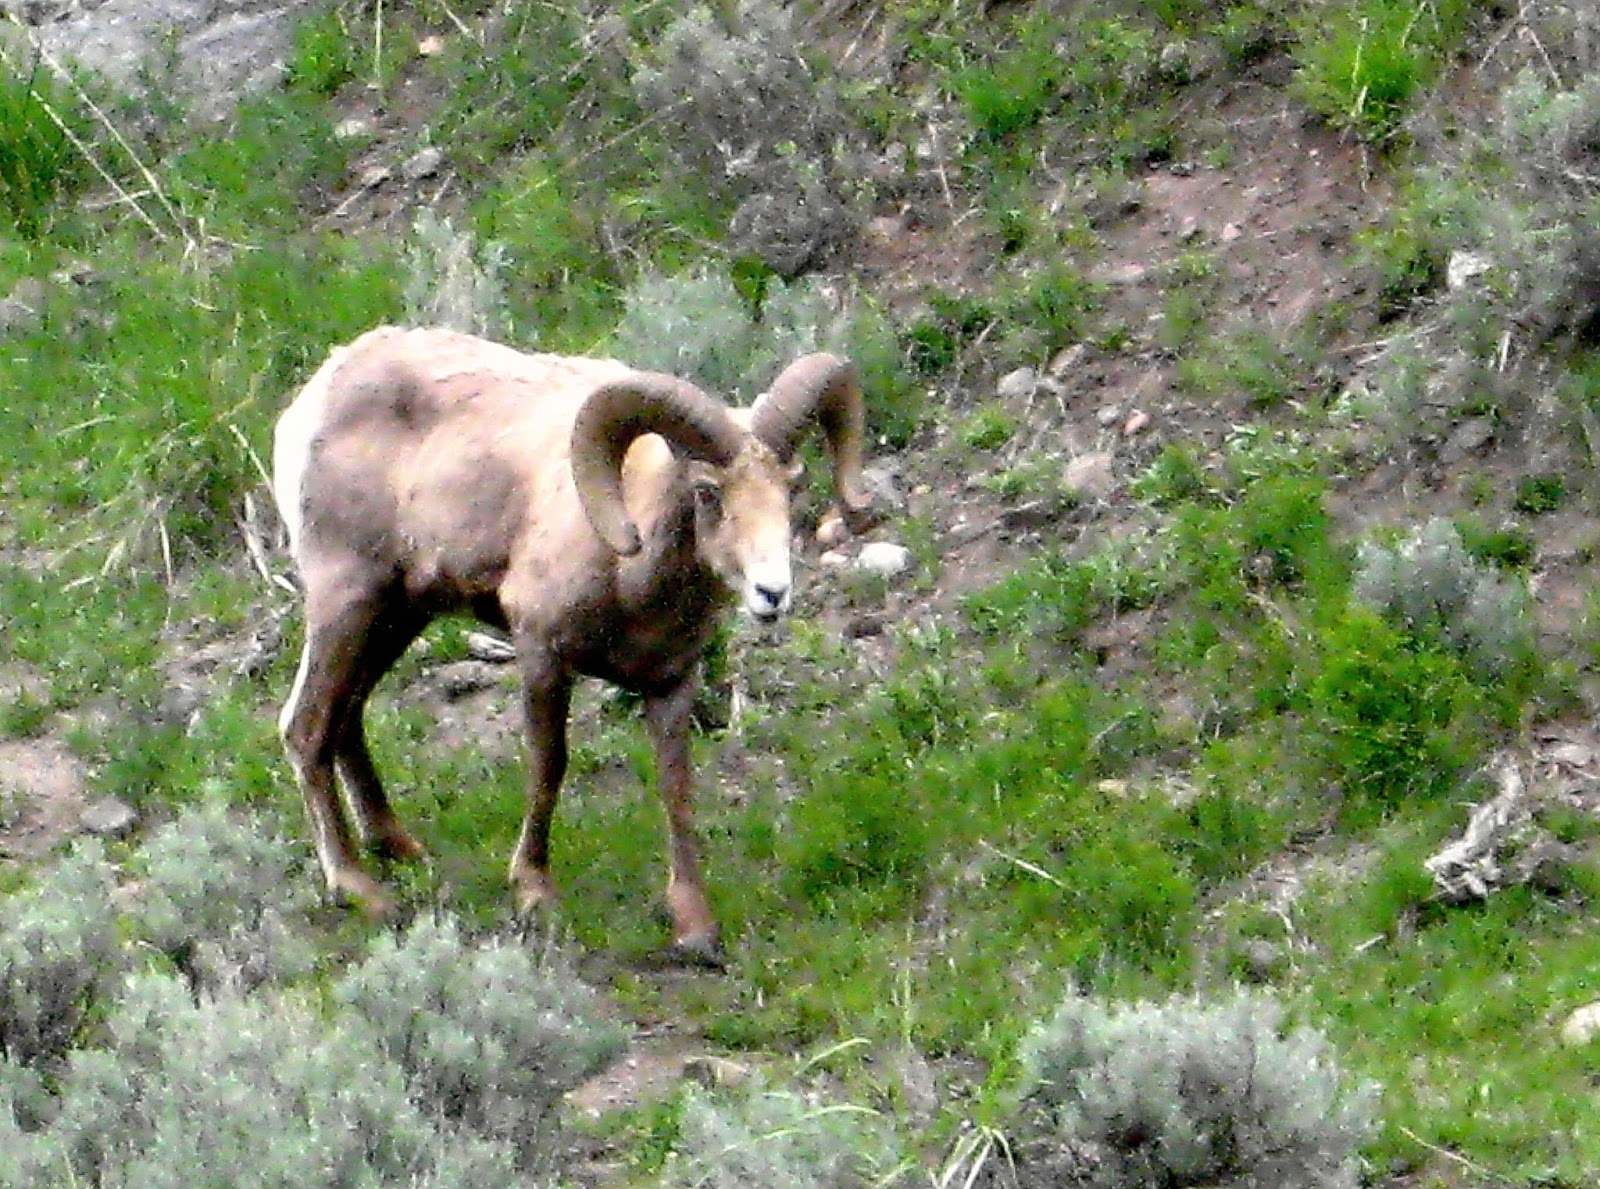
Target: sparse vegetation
[999, 849]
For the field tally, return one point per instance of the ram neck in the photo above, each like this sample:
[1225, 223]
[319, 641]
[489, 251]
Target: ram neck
[667, 569]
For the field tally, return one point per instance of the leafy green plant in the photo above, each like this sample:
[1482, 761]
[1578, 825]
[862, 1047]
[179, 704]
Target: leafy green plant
[987, 428]
[324, 55]
[1539, 493]
[40, 167]
[1398, 722]
[701, 328]
[1361, 65]
[780, 1139]
[1020, 86]
[452, 282]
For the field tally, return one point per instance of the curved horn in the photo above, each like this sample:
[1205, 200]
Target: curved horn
[620, 411]
[828, 389]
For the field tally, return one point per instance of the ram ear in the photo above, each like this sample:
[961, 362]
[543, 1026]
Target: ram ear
[822, 390]
[618, 413]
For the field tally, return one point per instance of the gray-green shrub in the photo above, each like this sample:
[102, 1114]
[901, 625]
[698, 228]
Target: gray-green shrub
[233, 1092]
[780, 1139]
[450, 282]
[1431, 587]
[225, 897]
[1193, 1092]
[58, 957]
[700, 327]
[490, 1034]
[753, 126]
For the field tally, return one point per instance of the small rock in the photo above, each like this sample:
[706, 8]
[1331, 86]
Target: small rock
[354, 128]
[431, 47]
[1582, 1026]
[714, 1073]
[1137, 421]
[884, 557]
[1231, 232]
[1190, 229]
[859, 627]
[461, 678]
[1573, 755]
[1465, 267]
[1090, 476]
[832, 533]
[884, 480]
[1068, 359]
[374, 176]
[481, 646]
[1123, 274]
[1471, 436]
[833, 559]
[1018, 385]
[423, 164]
[109, 817]
[1108, 415]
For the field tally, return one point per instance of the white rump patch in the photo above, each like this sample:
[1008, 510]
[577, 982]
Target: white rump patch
[291, 448]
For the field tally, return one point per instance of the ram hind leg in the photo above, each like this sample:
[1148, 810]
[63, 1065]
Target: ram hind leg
[338, 625]
[376, 822]
[694, 930]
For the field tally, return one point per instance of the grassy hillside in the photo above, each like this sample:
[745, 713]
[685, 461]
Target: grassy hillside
[1234, 370]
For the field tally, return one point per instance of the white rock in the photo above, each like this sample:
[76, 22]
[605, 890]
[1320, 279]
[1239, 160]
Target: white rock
[831, 533]
[423, 165]
[1091, 476]
[109, 817]
[833, 560]
[1466, 266]
[1067, 359]
[884, 557]
[1582, 1026]
[354, 128]
[1018, 385]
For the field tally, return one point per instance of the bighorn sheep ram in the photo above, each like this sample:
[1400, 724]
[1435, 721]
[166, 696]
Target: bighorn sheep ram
[604, 516]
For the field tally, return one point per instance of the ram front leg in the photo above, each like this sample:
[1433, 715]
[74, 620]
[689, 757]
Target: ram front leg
[547, 698]
[694, 931]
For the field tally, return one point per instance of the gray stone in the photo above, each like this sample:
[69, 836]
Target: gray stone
[884, 557]
[109, 817]
[1067, 359]
[481, 646]
[1466, 267]
[1582, 1026]
[423, 164]
[219, 49]
[1090, 476]
[459, 679]
[1018, 385]
[1471, 436]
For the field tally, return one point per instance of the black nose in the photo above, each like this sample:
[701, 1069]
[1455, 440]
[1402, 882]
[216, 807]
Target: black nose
[771, 595]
